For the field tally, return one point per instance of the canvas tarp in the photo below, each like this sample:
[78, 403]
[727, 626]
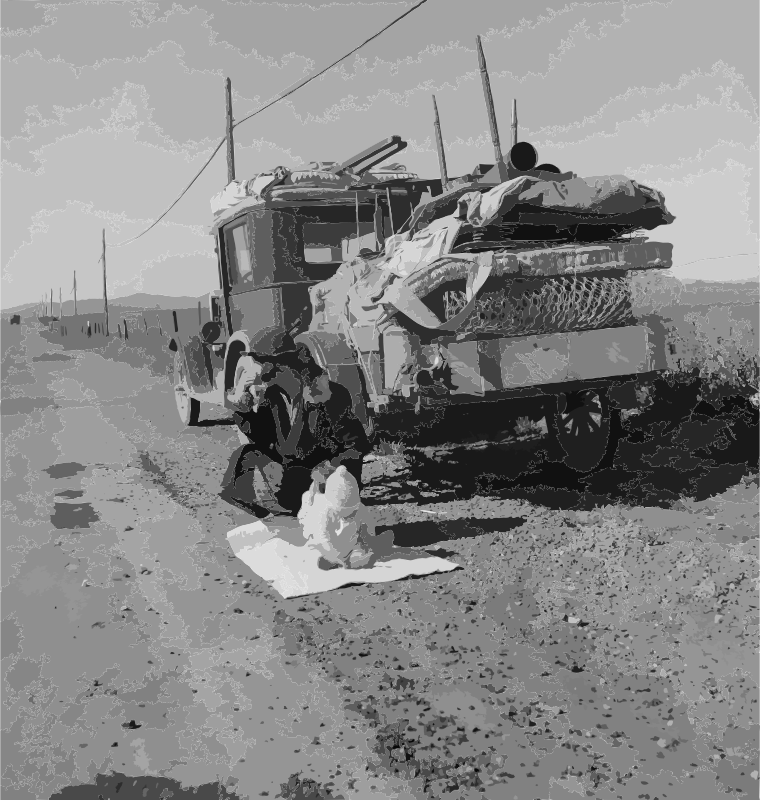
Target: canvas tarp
[594, 197]
[255, 187]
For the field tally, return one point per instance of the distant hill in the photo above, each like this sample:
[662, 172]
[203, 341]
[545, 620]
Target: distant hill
[697, 291]
[138, 301]
[709, 292]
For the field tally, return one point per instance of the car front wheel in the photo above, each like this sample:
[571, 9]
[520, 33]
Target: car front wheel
[188, 407]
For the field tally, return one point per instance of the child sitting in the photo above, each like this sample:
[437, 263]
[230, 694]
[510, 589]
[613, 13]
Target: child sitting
[336, 523]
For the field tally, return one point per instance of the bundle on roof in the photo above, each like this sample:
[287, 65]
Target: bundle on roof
[425, 276]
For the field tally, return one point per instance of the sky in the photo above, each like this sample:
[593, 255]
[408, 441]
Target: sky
[110, 108]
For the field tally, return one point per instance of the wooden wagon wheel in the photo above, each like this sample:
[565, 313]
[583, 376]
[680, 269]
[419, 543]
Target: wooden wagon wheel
[581, 429]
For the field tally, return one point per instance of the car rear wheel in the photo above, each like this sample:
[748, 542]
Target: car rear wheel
[580, 429]
[188, 407]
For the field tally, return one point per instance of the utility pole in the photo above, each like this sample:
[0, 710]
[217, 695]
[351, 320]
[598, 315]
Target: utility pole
[440, 146]
[60, 302]
[514, 124]
[229, 127]
[501, 166]
[105, 295]
[75, 293]
[51, 302]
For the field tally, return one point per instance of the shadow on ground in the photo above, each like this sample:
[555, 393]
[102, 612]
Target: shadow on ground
[682, 446]
[428, 532]
[215, 423]
[111, 785]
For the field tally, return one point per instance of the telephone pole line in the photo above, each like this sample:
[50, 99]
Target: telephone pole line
[229, 125]
[105, 294]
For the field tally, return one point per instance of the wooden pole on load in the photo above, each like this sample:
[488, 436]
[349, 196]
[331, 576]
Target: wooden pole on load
[229, 126]
[390, 212]
[378, 224]
[440, 146]
[514, 124]
[60, 303]
[356, 208]
[501, 166]
[105, 294]
[75, 293]
[51, 302]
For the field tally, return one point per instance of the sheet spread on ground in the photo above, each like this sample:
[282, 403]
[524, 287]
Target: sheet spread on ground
[277, 553]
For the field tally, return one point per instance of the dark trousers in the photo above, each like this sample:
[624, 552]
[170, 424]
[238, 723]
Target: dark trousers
[245, 484]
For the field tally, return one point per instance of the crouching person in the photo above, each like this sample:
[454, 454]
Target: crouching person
[335, 522]
[292, 442]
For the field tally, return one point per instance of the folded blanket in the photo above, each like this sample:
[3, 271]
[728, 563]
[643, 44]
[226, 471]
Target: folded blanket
[276, 551]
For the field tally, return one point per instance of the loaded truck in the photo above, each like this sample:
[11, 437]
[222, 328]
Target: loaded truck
[514, 285]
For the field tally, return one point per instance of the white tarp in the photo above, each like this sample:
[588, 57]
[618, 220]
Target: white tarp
[601, 194]
[236, 191]
[277, 552]
[407, 254]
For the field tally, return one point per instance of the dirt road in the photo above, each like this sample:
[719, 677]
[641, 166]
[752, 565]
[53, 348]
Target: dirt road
[599, 639]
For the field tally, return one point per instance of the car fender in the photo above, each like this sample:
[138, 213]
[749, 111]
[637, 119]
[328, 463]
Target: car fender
[237, 344]
[333, 354]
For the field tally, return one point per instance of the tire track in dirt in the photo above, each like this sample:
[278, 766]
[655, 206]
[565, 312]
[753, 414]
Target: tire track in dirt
[165, 636]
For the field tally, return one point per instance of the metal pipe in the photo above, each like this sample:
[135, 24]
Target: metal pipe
[501, 166]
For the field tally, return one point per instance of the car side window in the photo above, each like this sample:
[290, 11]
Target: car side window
[239, 255]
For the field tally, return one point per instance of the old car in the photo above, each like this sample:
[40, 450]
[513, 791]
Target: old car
[515, 283]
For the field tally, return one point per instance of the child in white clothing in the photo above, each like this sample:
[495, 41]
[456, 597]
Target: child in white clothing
[338, 527]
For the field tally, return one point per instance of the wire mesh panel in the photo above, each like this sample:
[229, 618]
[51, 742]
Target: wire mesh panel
[554, 305]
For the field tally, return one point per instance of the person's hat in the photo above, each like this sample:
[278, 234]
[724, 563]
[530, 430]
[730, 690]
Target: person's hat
[342, 492]
[270, 343]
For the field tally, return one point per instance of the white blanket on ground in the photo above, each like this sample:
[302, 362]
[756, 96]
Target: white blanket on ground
[276, 551]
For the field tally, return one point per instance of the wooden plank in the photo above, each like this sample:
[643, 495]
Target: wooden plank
[523, 361]
[607, 353]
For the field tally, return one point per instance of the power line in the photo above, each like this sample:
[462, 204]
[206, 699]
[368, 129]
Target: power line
[264, 108]
[712, 258]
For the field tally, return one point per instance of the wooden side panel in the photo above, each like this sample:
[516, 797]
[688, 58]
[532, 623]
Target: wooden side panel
[529, 361]
[608, 353]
